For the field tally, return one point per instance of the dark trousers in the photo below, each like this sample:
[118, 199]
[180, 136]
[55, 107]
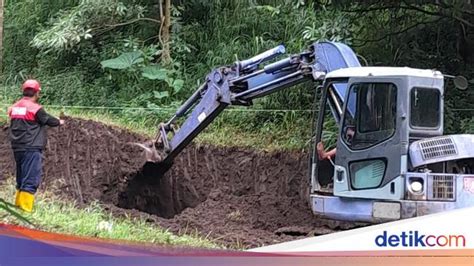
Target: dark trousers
[28, 170]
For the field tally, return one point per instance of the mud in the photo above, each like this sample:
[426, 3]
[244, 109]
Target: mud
[236, 197]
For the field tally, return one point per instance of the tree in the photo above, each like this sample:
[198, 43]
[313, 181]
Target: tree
[2, 3]
[165, 30]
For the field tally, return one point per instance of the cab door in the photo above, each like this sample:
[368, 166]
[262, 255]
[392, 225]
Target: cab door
[367, 163]
[325, 131]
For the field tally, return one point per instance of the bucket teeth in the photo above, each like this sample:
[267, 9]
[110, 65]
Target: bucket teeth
[151, 154]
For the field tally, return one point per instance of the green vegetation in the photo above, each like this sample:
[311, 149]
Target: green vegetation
[55, 215]
[109, 53]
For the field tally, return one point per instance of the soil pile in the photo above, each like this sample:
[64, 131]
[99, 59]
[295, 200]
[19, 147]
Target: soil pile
[238, 197]
[82, 159]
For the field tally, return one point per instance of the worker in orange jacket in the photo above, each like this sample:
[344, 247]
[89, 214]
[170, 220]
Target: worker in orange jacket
[28, 123]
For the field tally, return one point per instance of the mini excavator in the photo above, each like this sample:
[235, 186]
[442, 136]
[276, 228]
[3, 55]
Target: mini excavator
[392, 160]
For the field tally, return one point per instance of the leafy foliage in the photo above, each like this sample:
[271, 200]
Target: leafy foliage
[155, 72]
[124, 61]
[107, 52]
[82, 21]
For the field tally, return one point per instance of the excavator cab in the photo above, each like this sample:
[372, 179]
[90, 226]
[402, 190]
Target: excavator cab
[392, 160]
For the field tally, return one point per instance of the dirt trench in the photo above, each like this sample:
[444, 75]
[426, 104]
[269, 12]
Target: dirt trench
[235, 196]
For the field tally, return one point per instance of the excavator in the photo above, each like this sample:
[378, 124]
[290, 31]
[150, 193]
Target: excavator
[392, 160]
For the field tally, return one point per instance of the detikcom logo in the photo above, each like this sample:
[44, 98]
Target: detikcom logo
[416, 239]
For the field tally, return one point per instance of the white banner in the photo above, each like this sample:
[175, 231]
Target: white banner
[446, 230]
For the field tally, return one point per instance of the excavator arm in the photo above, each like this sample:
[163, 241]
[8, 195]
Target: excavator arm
[241, 83]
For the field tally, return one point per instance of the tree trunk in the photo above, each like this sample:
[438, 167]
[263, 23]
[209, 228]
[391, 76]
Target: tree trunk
[165, 32]
[2, 5]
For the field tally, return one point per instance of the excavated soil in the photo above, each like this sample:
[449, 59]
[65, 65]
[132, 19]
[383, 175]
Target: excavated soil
[237, 197]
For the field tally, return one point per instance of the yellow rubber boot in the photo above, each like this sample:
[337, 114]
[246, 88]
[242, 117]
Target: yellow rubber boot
[26, 201]
[17, 198]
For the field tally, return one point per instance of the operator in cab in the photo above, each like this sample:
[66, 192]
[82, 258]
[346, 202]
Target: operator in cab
[28, 123]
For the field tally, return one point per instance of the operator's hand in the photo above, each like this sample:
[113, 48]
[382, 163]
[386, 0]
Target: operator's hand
[61, 122]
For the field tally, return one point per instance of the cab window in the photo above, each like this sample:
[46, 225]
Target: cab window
[425, 108]
[370, 115]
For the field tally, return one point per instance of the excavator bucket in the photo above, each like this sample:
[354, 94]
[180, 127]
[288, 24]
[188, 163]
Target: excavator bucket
[154, 164]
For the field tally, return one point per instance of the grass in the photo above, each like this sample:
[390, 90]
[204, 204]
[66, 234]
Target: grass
[54, 215]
